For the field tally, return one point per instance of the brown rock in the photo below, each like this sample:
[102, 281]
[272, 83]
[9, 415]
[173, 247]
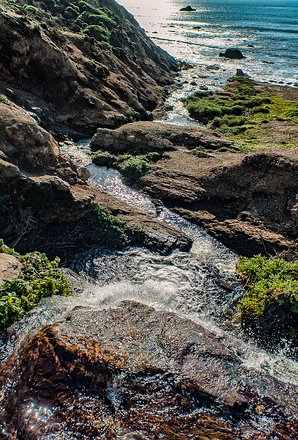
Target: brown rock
[10, 267]
[248, 202]
[23, 140]
[8, 171]
[78, 84]
[143, 137]
[135, 372]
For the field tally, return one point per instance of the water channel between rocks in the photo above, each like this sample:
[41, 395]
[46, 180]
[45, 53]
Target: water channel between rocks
[200, 284]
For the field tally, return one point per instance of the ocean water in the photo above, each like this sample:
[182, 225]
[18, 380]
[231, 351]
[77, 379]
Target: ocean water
[266, 31]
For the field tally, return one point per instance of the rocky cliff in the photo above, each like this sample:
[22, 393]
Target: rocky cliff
[67, 68]
[69, 76]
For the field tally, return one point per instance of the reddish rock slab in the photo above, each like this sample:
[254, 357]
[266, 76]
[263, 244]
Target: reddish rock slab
[132, 372]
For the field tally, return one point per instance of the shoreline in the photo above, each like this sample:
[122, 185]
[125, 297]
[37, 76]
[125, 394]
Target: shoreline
[177, 94]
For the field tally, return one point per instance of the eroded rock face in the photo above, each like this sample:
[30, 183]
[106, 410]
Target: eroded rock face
[140, 137]
[248, 202]
[132, 372]
[76, 83]
[23, 140]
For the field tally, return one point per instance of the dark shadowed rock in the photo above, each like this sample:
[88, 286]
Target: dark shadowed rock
[234, 54]
[239, 72]
[187, 9]
[132, 372]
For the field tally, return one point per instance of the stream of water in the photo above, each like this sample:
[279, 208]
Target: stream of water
[200, 284]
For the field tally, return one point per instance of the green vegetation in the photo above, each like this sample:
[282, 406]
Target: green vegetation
[76, 15]
[38, 279]
[106, 228]
[4, 99]
[31, 9]
[132, 166]
[271, 284]
[243, 112]
[104, 159]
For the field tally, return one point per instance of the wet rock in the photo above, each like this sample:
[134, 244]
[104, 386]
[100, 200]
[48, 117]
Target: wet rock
[83, 174]
[239, 72]
[140, 137]
[134, 372]
[234, 54]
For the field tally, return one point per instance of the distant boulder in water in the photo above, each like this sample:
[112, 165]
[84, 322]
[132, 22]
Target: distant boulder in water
[234, 54]
[188, 9]
[239, 72]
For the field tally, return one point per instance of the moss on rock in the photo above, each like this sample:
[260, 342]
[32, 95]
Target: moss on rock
[106, 228]
[244, 113]
[270, 300]
[38, 279]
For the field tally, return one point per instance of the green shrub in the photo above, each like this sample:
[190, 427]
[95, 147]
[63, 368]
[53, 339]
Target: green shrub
[38, 279]
[134, 167]
[262, 109]
[234, 110]
[230, 121]
[84, 6]
[97, 19]
[97, 32]
[71, 13]
[104, 159]
[204, 110]
[268, 282]
[31, 9]
[241, 98]
[255, 102]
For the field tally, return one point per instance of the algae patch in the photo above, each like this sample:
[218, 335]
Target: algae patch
[247, 114]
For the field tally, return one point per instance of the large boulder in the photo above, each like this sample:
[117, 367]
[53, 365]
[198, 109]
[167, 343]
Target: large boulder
[132, 372]
[234, 54]
[23, 140]
[246, 201]
[142, 137]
